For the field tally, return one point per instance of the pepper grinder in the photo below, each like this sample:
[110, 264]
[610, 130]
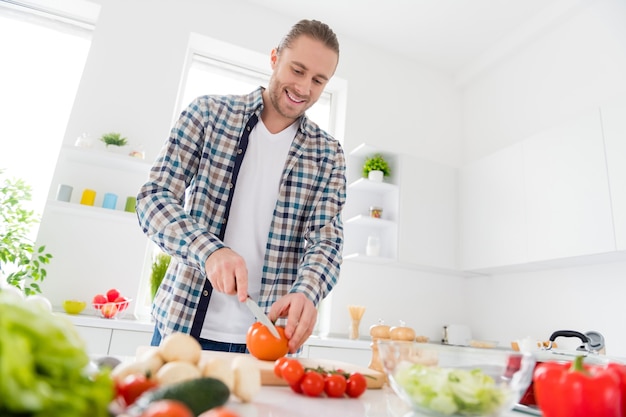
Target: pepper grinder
[402, 333]
[378, 332]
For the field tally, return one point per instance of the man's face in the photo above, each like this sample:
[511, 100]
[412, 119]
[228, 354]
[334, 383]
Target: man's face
[300, 74]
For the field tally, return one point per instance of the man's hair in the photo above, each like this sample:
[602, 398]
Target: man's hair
[313, 28]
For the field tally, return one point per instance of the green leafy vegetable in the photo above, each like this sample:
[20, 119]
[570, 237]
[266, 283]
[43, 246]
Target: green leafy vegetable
[43, 365]
[451, 391]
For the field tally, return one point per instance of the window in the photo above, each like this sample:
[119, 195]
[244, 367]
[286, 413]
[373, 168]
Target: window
[42, 66]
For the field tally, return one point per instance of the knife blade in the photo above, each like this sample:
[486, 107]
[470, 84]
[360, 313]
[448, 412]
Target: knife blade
[262, 317]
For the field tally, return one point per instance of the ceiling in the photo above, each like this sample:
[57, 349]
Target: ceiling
[447, 35]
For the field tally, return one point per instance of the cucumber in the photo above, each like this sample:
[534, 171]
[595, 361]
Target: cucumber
[199, 394]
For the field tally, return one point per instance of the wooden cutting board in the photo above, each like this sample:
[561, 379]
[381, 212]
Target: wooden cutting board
[374, 378]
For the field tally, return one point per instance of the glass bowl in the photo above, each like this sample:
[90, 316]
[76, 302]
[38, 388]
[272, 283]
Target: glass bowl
[112, 310]
[443, 380]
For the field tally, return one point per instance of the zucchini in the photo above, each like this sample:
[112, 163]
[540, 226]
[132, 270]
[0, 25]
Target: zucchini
[199, 394]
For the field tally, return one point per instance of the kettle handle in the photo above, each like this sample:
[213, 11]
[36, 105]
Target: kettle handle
[569, 333]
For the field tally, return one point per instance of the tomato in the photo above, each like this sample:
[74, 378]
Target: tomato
[112, 294]
[296, 388]
[263, 345]
[356, 385]
[167, 408]
[219, 412]
[131, 387]
[122, 303]
[312, 384]
[98, 301]
[335, 385]
[278, 364]
[292, 371]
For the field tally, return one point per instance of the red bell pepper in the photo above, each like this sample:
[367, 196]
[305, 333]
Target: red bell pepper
[577, 390]
[620, 369]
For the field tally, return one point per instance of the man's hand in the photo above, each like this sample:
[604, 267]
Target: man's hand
[301, 317]
[227, 273]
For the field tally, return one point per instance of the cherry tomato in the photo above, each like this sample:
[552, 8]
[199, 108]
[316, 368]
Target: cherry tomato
[292, 371]
[296, 388]
[167, 408]
[219, 412]
[335, 385]
[131, 387]
[312, 384]
[356, 385]
[277, 365]
[262, 345]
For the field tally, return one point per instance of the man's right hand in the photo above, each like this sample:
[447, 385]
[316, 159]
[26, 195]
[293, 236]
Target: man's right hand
[227, 273]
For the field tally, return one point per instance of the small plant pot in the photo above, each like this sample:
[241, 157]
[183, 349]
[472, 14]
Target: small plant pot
[376, 176]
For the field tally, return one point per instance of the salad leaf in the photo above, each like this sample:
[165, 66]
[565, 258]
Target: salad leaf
[451, 391]
[43, 365]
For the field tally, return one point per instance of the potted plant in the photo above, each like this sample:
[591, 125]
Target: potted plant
[21, 262]
[113, 139]
[376, 167]
[160, 264]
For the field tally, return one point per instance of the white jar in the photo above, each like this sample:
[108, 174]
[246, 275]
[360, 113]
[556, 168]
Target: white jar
[373, 246]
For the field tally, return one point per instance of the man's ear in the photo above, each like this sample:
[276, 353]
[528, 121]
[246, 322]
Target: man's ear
[273, 57]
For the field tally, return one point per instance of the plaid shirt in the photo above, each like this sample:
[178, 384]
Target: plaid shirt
[183, 208]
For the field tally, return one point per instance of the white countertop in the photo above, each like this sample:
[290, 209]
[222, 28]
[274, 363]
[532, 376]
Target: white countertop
[282, 402]
[147, 325]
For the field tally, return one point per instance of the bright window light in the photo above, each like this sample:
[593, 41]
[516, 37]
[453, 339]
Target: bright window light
[42, 62]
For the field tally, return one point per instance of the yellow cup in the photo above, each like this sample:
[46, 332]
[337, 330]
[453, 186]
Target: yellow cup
[88, 198]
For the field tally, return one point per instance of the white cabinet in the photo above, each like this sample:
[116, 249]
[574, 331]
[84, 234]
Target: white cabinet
[126, 342]
[94, 249]
[614, 129]
[568, 206]
[544, 199]
[492, 215]
[97, 339]
[361, 194]
[428, 214]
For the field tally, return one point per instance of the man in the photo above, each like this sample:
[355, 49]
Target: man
[246, 195]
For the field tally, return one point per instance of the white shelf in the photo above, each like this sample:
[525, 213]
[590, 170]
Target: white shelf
[368, 259]
[97, 213]
[106, 159]
[363, 184]
[363, 220]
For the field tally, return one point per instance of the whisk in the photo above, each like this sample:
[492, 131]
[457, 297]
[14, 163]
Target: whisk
[356, 313]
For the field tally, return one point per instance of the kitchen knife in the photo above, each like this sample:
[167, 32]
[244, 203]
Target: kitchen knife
[260, 315]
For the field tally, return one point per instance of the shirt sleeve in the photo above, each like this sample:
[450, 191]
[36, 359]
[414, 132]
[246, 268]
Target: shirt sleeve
[160, 201]
[318, 271]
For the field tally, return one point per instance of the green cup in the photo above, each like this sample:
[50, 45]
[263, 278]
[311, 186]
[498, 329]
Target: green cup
[130, 204]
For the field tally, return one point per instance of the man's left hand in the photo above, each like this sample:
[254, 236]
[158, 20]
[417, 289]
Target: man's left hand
[301, 317]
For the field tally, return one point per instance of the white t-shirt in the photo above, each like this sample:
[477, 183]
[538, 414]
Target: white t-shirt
[249, 222]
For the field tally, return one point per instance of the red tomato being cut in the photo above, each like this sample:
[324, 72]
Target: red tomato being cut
[263, 345]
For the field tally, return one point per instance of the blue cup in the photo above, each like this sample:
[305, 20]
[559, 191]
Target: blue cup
[110, 201]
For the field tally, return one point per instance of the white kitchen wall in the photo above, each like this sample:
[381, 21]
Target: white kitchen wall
[576, 65]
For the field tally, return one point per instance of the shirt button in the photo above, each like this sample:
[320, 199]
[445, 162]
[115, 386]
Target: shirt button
[205, 293]
[230, 185]
[239, 151]
[248, 128]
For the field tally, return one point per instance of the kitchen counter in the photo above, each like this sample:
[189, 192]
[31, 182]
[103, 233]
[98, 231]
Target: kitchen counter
[282, 402]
